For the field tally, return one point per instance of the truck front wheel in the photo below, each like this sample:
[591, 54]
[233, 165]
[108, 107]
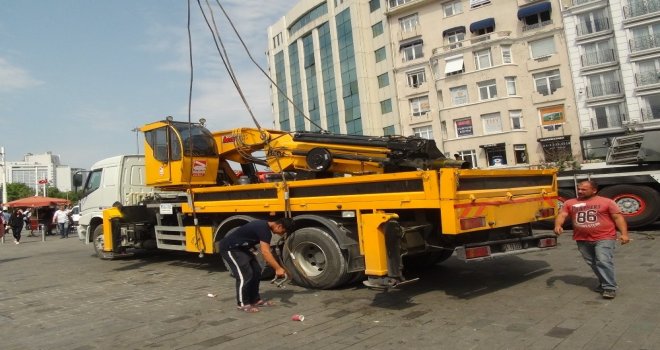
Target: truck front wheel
[314, 259]
[98, 241]
[640, 205]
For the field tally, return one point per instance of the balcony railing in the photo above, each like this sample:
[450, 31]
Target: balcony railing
[598, 57]
[638, 8]
[644, 42]
[598, 25]
[598, 90]
[648, 78]
[608, 122]
[536, 25]
[652, 113]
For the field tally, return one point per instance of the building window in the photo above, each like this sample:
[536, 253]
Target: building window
[647, 36]
[419, 106]
[452, 8]
[425, 132]
[648, 72]
[487, 89]
[520, 153]
[477, 3]
[604, 84]
[492, 123]
[383, 80]
[374, 5]
[537, 20]
[395, 3]
[469, 156]
[482, 59]
[459, 95]
[386, 106]
[496, 155]
[389, 130]
[506, 54]
[609, 116]
[277, 40]
[463, 127]
[547, 82]
[409, 23]
[380, 54]
[651, 107]
[511, 86]
[377, 29]
[542, 48]
[412, 51]
[455, 37]
[416, 78]
[516, 120]
[454, 65]
[596, 53]
[593, 22]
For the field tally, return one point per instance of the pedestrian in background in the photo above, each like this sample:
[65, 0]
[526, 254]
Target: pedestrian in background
[16, 224]
[26, 217]
[61, 218]
[595, 220]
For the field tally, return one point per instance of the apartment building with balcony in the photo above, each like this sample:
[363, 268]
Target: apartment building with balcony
[614, 50]
[332, 59]
[487, 79]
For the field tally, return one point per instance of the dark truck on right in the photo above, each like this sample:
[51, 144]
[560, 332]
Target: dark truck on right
[630, 176]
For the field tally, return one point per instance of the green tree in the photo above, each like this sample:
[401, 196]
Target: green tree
[17, 191]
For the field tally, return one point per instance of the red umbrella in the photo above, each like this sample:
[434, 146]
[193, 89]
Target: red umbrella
[36, 201]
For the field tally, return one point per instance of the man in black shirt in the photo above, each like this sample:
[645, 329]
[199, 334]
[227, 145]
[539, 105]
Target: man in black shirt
[235, 249]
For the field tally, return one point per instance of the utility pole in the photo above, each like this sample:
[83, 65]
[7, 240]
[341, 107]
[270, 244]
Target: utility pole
[137, 139]
[4, 175]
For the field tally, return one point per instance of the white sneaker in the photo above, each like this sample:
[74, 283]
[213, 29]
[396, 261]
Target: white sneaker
[17, 242]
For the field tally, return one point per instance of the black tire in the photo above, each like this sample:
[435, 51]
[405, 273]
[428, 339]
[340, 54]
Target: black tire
[640, 205]
[319, 262]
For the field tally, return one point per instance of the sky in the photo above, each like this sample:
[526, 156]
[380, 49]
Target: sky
[77, 76]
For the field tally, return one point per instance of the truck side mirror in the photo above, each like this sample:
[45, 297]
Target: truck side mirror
[77, 179]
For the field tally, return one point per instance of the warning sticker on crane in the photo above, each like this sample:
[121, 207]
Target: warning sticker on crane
[199, 168]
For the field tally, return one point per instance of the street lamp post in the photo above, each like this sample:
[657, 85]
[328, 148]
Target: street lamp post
[137, 139]
[4, 175]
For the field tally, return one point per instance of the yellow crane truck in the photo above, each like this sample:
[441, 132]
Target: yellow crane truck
[364, 207]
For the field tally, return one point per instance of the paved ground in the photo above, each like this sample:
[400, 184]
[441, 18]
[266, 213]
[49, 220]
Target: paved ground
[57, 295]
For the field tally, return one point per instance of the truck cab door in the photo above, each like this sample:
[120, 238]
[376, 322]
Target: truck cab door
[162, 147]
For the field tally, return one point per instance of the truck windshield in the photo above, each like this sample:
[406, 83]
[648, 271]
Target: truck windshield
[196, 140]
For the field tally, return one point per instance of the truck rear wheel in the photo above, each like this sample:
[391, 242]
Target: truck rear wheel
[314, 259]
[640, 205]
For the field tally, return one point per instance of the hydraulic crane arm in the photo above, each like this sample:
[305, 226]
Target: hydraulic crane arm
[188, 154]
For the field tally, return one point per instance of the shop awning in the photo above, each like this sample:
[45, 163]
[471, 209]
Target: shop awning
[534, 9]
[484, 23]
[493, 145]
[454, 30]
[454, 65]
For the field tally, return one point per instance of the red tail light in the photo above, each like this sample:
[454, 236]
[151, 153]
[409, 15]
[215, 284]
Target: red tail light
[470, 223]
[547, 242]
[546, 212]
[477, 252]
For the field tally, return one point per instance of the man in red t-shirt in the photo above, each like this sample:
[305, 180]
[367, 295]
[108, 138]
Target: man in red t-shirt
[595, 220]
